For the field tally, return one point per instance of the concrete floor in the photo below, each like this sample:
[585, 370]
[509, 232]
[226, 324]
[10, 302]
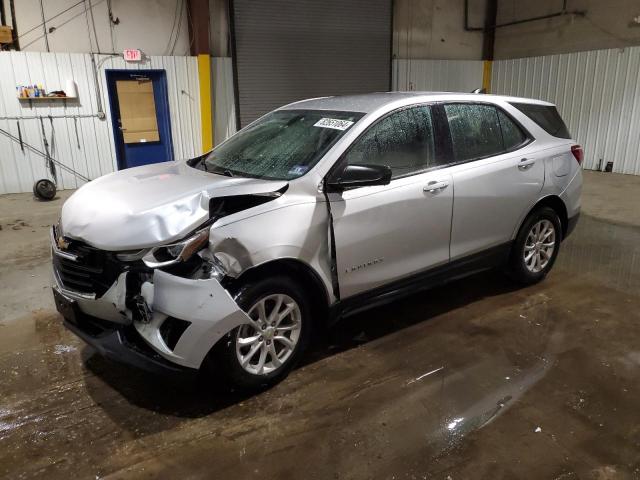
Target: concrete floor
[476, 379]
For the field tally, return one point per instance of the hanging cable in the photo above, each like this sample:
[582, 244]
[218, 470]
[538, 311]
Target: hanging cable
[191, 35]
[43, 155]
[112, 22]
[49, 19]
[93, 22]
[173, 27]
[44, 26]
[61, 25]
[175, 41]
[48, 159]
[86, 17]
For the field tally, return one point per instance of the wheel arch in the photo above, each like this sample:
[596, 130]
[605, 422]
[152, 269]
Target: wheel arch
[554, 202]
[297, 270]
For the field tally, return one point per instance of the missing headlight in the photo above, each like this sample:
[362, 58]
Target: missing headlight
[131, 256]
[211, 267]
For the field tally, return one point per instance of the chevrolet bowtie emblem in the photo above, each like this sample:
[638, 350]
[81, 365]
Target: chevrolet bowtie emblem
[62, 243]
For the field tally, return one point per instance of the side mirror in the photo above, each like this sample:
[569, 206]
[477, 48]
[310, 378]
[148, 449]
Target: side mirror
[359, 176]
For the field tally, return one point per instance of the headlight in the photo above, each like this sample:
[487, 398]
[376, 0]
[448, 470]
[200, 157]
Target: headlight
[176, 252]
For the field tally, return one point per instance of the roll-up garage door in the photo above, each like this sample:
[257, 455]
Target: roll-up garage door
[288, 50]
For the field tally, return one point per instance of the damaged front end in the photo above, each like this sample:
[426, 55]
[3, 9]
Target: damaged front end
[159, 308]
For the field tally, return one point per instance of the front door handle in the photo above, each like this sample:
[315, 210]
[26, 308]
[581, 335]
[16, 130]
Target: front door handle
[526, 163]
[436, 186]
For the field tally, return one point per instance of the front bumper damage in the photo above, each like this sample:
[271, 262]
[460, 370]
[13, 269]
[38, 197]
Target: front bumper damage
[187, 317]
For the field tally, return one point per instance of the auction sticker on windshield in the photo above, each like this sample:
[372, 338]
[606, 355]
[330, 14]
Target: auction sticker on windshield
[333, 123]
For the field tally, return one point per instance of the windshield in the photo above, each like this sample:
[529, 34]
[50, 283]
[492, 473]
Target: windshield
[282, 145]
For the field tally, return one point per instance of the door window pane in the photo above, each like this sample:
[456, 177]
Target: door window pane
[403, 141]
[511, 133]
[475, 130]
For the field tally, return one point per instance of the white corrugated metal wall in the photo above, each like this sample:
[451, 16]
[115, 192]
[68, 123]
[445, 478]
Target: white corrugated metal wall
[597, 93]
[437, 75]
[223, 99]
[91, 152]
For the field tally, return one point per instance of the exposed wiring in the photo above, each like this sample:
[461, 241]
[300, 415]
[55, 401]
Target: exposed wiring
[44, 27]
[93, 22]
[173, 28]
[49, 19]
[96, 80]
[106, 57]
[175, 40]
[62, 24]
[112, 22]
[191, 35]
[561, 13]
[86, 17]
[611, 34]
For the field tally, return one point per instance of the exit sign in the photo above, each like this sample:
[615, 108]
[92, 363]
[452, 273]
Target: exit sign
[132, 55]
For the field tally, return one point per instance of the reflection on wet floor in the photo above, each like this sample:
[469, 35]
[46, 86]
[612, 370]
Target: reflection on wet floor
[476, 379]
[608, 253]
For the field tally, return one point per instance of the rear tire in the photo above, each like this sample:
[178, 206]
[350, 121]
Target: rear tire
[536, 247]
[257, 356]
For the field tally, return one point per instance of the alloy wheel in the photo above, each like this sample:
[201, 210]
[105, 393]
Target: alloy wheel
[268, 341]
[539, 246]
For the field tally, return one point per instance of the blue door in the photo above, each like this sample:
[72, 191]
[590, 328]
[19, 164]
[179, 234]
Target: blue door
[140, 116]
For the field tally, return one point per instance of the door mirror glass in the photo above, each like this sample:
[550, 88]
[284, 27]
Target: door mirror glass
[359, 176]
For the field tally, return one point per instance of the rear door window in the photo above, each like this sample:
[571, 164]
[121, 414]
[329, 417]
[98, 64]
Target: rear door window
[475, 130]
[512, 134]
[546, 116]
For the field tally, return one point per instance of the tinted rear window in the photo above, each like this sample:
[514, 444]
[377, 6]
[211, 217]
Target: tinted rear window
[547, 117]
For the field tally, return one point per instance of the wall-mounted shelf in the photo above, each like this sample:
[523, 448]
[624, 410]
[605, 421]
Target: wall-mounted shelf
[44, 99]
[39, 99]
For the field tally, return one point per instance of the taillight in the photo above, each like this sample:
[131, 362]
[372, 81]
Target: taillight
[578, 153]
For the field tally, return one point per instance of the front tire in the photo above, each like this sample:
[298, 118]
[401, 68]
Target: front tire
[536, 247]
[261, 354]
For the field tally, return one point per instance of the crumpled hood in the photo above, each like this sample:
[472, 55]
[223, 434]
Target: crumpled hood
[149, 205]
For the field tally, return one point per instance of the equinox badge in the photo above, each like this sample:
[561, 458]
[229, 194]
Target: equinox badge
[364, 265]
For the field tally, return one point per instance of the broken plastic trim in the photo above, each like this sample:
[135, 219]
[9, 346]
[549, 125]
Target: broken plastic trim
[222, 206]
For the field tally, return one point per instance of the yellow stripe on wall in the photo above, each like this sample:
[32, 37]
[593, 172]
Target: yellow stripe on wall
[206, 121]
[486, 75]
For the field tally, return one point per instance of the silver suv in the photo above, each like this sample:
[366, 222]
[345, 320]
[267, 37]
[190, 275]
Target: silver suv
[317, 210]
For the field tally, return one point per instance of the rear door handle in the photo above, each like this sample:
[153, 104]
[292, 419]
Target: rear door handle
[526, 163]
[436, 186]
